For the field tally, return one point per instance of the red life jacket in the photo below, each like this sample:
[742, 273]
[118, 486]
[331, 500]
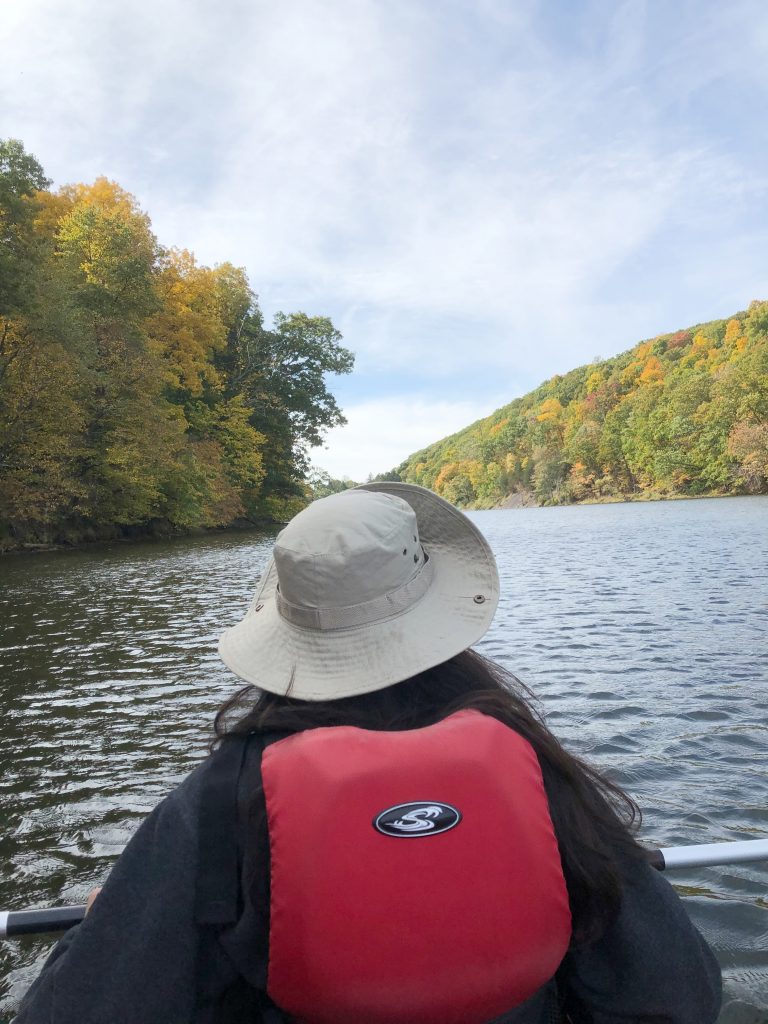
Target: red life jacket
[415, 875]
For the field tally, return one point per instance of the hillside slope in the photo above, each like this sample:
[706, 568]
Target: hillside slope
[681, 414]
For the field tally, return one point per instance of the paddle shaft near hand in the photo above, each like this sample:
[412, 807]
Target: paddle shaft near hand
[58, 919]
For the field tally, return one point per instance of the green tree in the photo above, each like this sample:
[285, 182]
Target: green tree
[322, 484]
[21, 177]
[282, 375]
[459, 490]
[41, 422]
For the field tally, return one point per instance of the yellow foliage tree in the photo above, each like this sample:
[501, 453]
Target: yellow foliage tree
[550, 410]
[188, 327]
[652, 371]
[732, 331]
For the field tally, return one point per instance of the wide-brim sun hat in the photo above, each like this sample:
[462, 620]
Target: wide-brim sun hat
[365, 588]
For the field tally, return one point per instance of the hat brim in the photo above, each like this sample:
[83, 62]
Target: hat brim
[312, 664]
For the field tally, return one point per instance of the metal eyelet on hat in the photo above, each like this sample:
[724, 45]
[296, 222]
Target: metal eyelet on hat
[479, 599]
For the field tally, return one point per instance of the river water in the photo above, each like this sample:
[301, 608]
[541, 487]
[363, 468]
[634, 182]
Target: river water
[643, 629]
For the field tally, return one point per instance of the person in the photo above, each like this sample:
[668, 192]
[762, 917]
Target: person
[385, 830]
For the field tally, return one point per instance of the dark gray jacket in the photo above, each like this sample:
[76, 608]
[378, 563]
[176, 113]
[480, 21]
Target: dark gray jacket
[139, 955]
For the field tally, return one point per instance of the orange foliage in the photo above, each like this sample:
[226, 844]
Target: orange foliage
[652, 371]
[679, 340]
[449, 470]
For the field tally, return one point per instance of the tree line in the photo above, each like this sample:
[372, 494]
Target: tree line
[138, 389]
[682, 414]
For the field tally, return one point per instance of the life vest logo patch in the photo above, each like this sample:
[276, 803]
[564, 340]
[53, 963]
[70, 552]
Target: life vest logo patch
[416, 819]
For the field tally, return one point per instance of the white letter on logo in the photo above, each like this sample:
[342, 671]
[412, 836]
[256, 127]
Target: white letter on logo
[417, 821]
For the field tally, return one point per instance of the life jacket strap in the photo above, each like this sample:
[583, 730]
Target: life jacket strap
[217, 891]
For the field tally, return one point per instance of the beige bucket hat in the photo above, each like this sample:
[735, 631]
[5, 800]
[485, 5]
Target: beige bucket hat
[364, 589]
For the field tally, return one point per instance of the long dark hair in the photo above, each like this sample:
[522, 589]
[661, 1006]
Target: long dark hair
[594, 820]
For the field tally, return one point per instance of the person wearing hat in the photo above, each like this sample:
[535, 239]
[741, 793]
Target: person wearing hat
[385, 831]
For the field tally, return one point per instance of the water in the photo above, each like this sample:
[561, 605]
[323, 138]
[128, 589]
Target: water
[642, 628]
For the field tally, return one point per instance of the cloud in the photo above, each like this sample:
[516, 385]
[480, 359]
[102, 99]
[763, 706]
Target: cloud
[494, 188]
[432, 186]
[380, 434]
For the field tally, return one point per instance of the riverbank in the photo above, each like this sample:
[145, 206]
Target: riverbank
[527, 499]
[92, 537]
[161, 530]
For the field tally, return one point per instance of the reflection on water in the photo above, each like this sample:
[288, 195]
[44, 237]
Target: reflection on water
[643, 629]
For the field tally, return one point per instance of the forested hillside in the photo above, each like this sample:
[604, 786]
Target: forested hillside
[681, 414]
[138, 389]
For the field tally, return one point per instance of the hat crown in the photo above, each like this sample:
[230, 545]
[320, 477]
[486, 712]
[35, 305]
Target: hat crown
[347, 549]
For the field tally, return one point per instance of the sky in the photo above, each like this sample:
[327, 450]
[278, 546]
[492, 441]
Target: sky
[480, 194]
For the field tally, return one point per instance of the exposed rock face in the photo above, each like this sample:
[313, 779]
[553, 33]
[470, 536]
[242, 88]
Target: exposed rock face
[520, 499]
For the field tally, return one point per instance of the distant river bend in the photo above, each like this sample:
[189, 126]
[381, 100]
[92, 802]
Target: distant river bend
[643, 628]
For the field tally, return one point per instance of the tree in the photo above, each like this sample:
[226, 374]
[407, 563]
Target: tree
[322, 484]
[282, 374]
[748, 443]
[40, 414]
[41, 424]
[136, 385]
[459, 491]
[187, 327]
[107, 258]
[106, 244]
[21, 177]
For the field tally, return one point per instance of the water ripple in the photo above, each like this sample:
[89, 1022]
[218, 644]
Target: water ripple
[642, 628]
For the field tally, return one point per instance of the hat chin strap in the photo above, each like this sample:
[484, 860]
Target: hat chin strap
[367, 612]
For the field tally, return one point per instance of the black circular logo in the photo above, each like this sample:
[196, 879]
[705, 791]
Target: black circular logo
[416, 819]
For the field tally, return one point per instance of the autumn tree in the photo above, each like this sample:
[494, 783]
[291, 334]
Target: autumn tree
[138, 387]
[40, 413]
[679, 414]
